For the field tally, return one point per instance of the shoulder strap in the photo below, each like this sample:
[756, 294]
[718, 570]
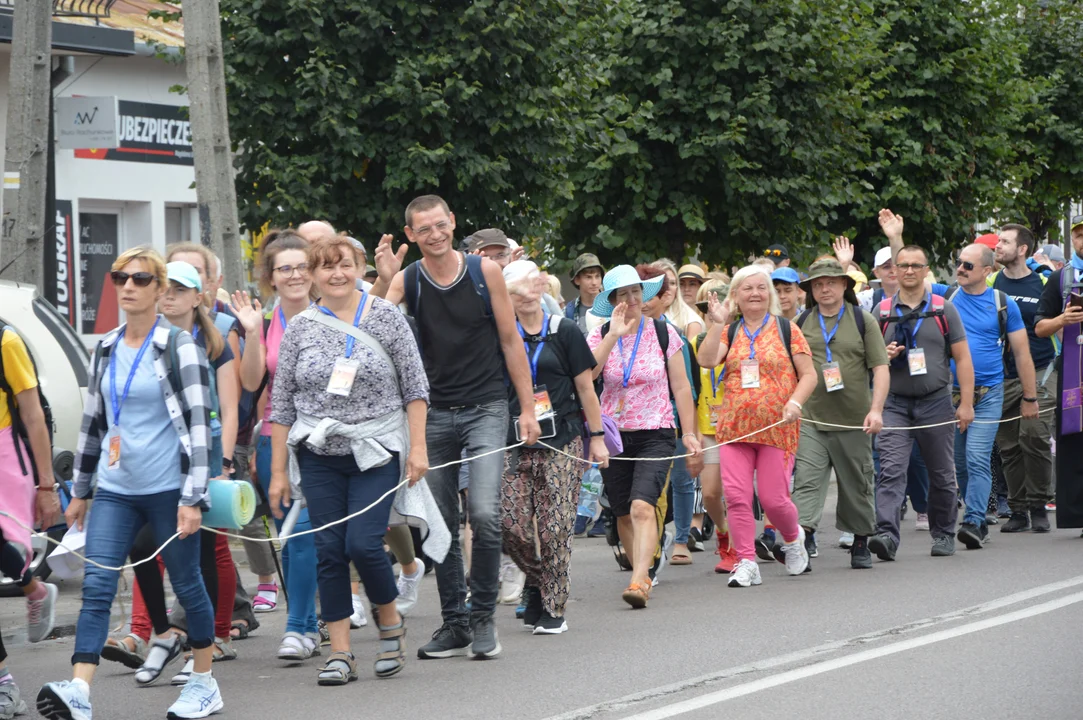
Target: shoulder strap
[877, 296]
[952, 292]
[473, 267]
[859, 320]
[786, 333]
[1001, 300]
[937, 311]
[554, 324]
[803, 317]
[172, 361]
[411, 287]
[12, 410]
[370, 342]
[731, 334]
[661, 329]
[224, 324]
[569, 310]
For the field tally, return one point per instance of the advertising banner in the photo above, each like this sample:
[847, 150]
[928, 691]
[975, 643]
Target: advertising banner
[98, 241]
[150, 133]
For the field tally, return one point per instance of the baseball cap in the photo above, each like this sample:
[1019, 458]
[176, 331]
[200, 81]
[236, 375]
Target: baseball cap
[776, 252]
[586, 261]
[989, 240]
[883, 256]
[692, 270]
[1053, 252]
[185, 274]
[1076, 221]
[786, 275]
[488, 238]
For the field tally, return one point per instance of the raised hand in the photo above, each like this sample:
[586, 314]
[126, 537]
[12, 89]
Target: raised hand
[620, 322]
[248, 311]
[388, 261]
[891, 224]
[716, 310]
[844, 251]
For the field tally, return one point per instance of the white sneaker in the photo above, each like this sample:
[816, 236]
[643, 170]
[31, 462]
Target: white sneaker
[745, 574]
[358, 619]
[846, 540]
[796, 554]
[921, 522]
[408, 588]
[41, 615]
[11, 704]
[512, 580]
[181, 678]
[65, 700]
[200, 698]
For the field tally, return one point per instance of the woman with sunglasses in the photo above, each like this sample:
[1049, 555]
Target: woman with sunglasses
[146, 438]
[349, 405]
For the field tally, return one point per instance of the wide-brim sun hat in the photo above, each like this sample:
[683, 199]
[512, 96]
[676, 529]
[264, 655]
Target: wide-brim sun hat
[623, 276]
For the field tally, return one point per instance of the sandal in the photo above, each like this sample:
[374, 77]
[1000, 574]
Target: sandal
[263, 604]
[637, 595]
[341, 668]
[223, 650]
[296, 647]
[161, 653]
[241, 628]
[680, 559]
[118, 651]
[392, 658]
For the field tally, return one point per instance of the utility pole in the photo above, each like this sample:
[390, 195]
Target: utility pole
[27, 143]
[216, 195]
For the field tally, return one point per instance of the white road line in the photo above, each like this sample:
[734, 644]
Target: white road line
[802, 656]
[825, 666]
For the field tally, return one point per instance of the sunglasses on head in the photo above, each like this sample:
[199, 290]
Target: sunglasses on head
[141, 279]
[769, 253]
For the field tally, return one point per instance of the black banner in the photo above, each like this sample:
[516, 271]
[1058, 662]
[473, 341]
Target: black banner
[97, 250]
[150, 133]
[59, 275]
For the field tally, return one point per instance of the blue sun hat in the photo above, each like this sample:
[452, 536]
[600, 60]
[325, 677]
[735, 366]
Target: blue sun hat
[623, 276]
[185, 274]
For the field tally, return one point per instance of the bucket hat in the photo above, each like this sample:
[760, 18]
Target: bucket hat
[585, 262]
[623, 276]
[829, 267]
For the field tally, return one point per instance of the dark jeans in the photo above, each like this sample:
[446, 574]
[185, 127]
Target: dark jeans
[917, 477]
[937, 447]
[112, 524]
[334, 487]
[476, 429]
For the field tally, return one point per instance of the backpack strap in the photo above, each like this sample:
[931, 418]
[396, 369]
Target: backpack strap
[859, 319]
[10, 396]
[885, 313]
[1000, 298]
[411, 287]
[661, 329]
[803, 317]
[786, 333]
[473, 268]
[172, 360]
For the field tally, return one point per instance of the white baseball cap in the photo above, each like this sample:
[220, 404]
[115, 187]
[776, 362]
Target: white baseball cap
[883, 255]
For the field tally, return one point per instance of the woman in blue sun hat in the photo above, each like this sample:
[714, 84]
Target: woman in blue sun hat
[641, 365]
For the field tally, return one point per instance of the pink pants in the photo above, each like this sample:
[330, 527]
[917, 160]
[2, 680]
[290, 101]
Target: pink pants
[772, 468]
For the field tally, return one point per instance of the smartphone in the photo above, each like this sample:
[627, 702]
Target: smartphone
[548, 428]
[1075, 300]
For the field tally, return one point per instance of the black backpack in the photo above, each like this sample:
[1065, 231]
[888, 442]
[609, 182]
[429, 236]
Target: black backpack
[18, 430]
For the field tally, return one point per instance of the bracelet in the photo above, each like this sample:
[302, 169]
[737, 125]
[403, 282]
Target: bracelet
[50, 489]
[1033, 399]
[597, 433]
[791, 400]
[689, 435]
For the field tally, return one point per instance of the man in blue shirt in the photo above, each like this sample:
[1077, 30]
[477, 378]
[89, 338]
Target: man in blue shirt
[1025, 444]
[978, 305]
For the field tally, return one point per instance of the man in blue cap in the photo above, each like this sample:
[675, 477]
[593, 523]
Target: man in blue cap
[786, 282]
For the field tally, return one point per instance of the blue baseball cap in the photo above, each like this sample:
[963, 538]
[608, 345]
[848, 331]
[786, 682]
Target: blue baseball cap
[185, 274]
[786, 275]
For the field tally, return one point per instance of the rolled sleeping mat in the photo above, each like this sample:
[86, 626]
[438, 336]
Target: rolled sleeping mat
[233, 504]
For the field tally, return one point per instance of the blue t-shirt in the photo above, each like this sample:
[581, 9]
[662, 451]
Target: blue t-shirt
[150, 451]
[979, 314]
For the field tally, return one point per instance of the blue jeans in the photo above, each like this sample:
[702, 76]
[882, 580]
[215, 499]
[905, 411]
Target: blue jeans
[334, 487]
[684, 496]
[299, 553]
[111, 527]
[476, 429]
[973, 450]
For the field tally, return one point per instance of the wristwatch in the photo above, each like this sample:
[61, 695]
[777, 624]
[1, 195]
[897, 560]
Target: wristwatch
[1033, 399]
[597, 433]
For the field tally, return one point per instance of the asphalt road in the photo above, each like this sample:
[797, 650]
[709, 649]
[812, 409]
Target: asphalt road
[993, 633]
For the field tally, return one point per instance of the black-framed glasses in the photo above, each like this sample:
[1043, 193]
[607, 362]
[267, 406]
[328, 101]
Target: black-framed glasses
[968, 266]
[289, 270]
[910, 266]
[141, 279]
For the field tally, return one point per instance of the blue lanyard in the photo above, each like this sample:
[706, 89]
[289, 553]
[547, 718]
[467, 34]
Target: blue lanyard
[117, 403]
[350, 339]
[823, 329]
[537, 352]
[282, 316]
[752, 337]
[715, 382]
[627, 367]
[917, 325]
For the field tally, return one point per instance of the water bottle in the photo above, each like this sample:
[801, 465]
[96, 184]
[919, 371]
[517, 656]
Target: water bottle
[590, 489]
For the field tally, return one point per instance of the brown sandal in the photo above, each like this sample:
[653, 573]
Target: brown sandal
[680, 559]
[637, 595]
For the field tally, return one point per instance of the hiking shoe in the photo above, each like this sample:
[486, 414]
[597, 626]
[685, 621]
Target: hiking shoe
[1039, 520]
[581, 526]
[64, 700]
[746, 574]
[486, 643]
[846, 540]
[358, 619]
[883, 546]
[1003, 511]
[943, 546]
[549, 625]
[11, 703]
[408, 586]
[795, 554]
[447, 641]
[695, 540]
[1018, 522]
[971, 536]
[200, 698]
[921, 522]
[860, 557]
[764, 548]
[532, 602]
[41, 615]
[727, 560]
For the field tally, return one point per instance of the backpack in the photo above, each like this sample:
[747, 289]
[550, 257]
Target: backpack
[1001, 301]
[248, 401]
[19, 434]
[887, 305]
[412, 284]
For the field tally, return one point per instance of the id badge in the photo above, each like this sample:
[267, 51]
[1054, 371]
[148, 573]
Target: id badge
[620, 407]
[716, 413]
[832, 376]
[750, 374]
[916, 358]
[543, 406]
[342, 376]
[114, 452]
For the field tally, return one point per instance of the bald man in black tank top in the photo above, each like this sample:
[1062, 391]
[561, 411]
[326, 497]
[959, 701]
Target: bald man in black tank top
[466, 352]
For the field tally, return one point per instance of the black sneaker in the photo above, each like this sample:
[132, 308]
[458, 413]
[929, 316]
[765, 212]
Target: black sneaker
[695, 540]
[532, 599]
[447, 641]
[765, 545]
[1018, 522]
[549, 625]
[943, 546]
[991, 519]
[860, 557]
[970, 535]
[486, 643]
[810, 544]
[883, 545]
[1039, 520]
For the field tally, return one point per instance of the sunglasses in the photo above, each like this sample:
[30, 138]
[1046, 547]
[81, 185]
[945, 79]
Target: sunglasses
[775, 253]
[968, 266]
[141, 279]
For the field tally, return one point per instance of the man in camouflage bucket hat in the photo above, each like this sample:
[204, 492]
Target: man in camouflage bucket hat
[587, 272]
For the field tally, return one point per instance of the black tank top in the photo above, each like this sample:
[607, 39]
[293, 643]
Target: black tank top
[459, 344]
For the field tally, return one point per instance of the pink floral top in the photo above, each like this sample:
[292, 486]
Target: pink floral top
[645, 403]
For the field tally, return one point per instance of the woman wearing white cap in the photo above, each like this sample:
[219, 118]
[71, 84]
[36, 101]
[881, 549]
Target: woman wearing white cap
[641, 364]
[539, 483]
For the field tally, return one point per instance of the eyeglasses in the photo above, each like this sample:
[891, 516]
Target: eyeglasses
[499, 256]
[968, 266]
[289, 270]
[424, 232]
[906, 267]
[141, 279]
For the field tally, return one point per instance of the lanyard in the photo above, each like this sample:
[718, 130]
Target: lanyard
[117, 403]
[627, 368]
[917, 325]
[715, 382]
[823, 329]
[752, 336]
[537, 351]
[282, 317]
[350, 339]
